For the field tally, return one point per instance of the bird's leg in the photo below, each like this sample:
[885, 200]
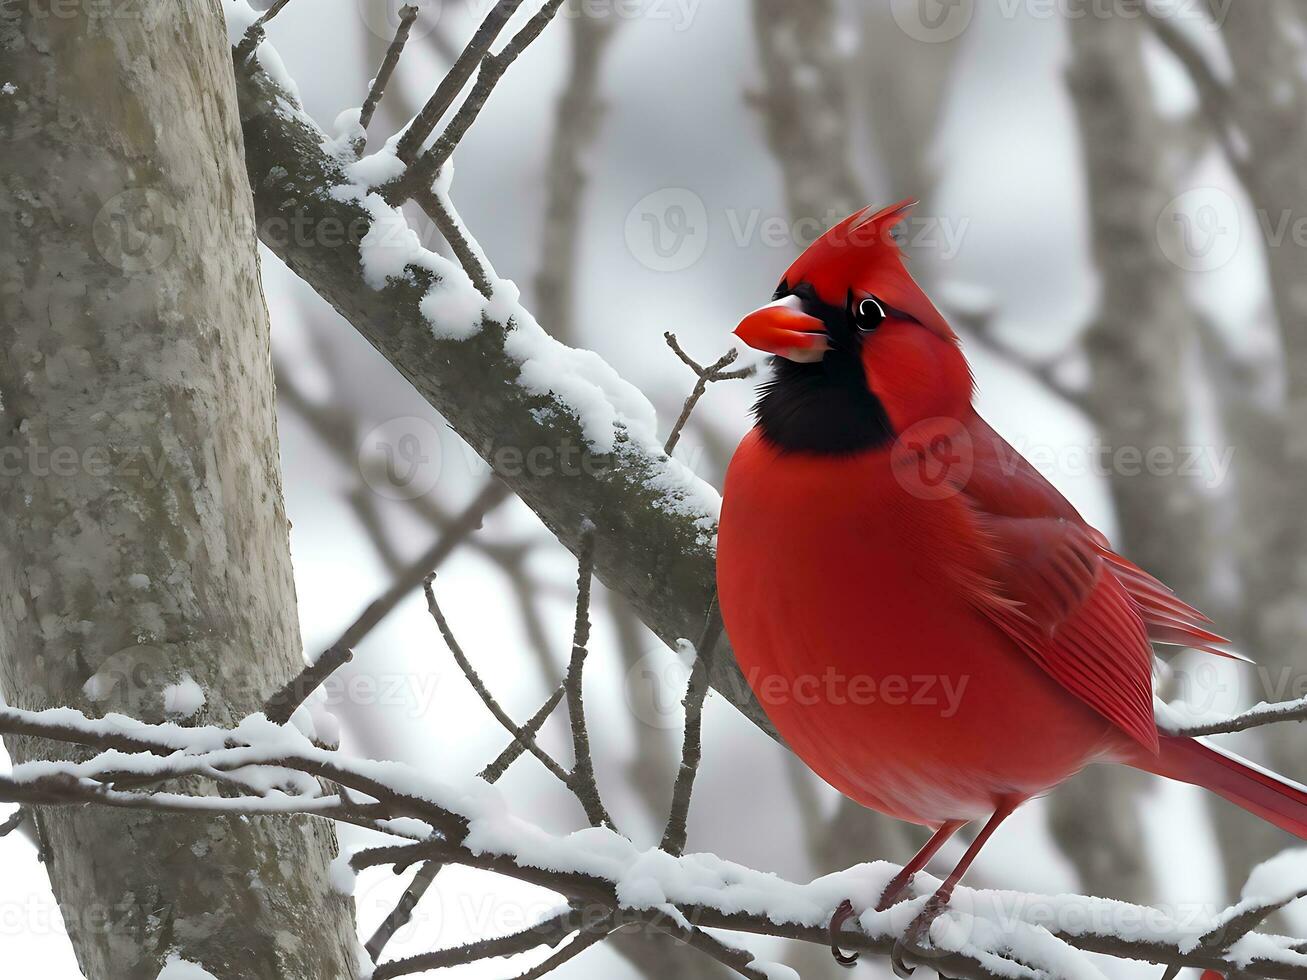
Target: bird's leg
[900, 882]
[897, 886]
[920, 926]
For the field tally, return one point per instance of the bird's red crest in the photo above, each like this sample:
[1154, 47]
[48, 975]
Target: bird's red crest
[860, 253]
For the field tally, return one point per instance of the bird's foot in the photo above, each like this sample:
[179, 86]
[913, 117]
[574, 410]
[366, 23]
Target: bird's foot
[916, 935]
[895, 891]
[843, 912]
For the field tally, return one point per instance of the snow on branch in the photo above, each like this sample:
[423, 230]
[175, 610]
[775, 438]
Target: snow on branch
[611, 883]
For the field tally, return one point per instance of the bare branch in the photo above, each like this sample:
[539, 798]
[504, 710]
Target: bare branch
[296, 691]
[1255, 717]
[407, 14]
[586, 938]
[552, 931]
[692, 750]
[492, 772]
[424, 123]
[13, 823]
[422, 171]
[403, 911]
[706, 375]
[739, 960]
[1213, 96]
[442, 215]
[520, 735]
[582, 780]
[283, 704]
[980, 327]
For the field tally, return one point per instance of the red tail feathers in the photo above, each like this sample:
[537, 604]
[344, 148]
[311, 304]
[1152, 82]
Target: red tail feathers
[1273, 798]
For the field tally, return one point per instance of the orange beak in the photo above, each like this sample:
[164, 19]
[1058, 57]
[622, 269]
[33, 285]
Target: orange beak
[782, 328]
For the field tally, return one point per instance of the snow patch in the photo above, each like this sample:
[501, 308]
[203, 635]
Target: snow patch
[177, 968]
[240, 18]
[183, 699]
[342, 877]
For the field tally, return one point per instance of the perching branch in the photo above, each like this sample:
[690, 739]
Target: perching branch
[1254, 717]
[691, 901]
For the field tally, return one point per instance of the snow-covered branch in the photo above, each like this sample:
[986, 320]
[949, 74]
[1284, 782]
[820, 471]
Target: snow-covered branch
[605, 877]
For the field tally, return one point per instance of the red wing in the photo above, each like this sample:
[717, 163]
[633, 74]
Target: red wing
[1053, 594]
[1004, 483]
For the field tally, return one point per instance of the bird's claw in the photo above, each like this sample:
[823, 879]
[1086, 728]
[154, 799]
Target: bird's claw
[901, 969]
[894, 892]
[913, 938]
[843, 912]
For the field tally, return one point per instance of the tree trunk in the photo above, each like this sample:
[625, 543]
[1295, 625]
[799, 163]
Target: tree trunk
[1137, 396]
[1267, 100]
[143, 540]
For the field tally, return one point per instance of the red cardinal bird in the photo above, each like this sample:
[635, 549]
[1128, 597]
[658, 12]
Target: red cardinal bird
[928, 623]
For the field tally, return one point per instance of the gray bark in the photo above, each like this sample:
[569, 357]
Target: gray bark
[143, 537]
[1267, 102]
[1136, 395]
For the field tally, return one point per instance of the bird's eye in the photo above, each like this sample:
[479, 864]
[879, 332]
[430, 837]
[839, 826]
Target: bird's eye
[868, 314]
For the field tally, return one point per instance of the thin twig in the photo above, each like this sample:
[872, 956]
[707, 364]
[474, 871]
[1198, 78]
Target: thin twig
[583, 780]
[1224, 936]
[1213, 95]
[586, 938]
[403, 911]
[407, 14]
[446, 221]
[980, 328]
[408, 901]
[492, 772]
[254, 36]
[422, 171]
[739, 960]
[520, 735]
[1255, 717]
[283, 704]
[696, 692]
[296, 691]
[706, 375]
[14, 822]
[424, 123]
[551, 932]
